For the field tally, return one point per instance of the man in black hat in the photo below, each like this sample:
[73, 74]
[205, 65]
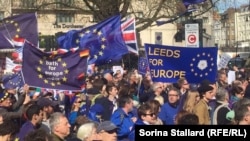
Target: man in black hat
[47, 106]
[202, 108]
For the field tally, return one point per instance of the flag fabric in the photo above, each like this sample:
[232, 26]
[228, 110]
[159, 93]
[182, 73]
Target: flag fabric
[13, 81]
[58, 71]
[129, 35]
[22, 26]
[143, 65]
[11, 66]
[189, 2]
[18, 54]
[104, 40]
[170, 63]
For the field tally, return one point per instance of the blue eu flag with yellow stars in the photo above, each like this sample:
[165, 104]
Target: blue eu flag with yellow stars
[54, 71]
[19, 26]
[143, 65]
[170, 63]
[104, 40]
[13, 81]
[189, 2]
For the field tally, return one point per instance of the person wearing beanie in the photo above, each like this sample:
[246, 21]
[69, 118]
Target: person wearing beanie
[201, 109]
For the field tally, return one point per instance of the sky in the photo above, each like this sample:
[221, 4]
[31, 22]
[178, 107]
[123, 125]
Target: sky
[222, 5]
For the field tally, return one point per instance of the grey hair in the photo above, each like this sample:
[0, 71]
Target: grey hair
[221, 94]
[155, 86]
[55, 119]
[85, 130]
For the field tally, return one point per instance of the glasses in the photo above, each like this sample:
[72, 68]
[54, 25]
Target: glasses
[151, 115]
[79, 101]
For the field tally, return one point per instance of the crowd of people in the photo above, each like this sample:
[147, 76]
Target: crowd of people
[115, 102]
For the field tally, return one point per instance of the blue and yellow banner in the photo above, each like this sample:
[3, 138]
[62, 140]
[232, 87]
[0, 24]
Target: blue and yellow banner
[54, 71]
[170, 63]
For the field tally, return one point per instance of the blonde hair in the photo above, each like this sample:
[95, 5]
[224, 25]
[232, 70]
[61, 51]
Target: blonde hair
[160, 99]
[190, 100]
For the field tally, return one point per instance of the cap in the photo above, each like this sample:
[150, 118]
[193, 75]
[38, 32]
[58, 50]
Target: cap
[204, 88]
[106, 126]
[42, 102]
[3, 96]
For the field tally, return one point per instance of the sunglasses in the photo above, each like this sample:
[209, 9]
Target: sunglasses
[79, 101]
[151, 115]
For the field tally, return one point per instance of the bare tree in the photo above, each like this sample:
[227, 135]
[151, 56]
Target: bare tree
[145, 11]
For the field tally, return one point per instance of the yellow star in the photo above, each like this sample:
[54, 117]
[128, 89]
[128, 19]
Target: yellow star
[18, 30]
[81, 34]
[40, 76]
[58, 83]
[103, 39]
[53, 84]
[11, 21]
[17, 36]
[55, 52]
[77, 41]
[38, 69]
[59, 59]
[40, 62]
[64, 64]
[16, 24]
[103, 46]
[64, 79]
[99, 33]
[95, 56]
[66, 71]
[46, 81]
[95, 30]
[100, 53]
[87, 31]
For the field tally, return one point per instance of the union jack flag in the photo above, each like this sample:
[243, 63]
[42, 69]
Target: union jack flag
[129, 35]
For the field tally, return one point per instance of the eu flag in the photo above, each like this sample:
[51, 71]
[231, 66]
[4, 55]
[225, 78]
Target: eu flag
[143, 65]
[189, 2]
[12, 81]
[19, 26]
[54, 71]
[104, 40]
[170, 63]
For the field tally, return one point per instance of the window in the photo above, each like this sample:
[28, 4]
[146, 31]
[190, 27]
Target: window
[68, 2]
[1, 15]
[65, 18]
[140, 14]
[29, 3]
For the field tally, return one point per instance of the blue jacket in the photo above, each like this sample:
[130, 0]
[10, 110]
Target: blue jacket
[168, 113]
[123, 122]
[25, 129]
